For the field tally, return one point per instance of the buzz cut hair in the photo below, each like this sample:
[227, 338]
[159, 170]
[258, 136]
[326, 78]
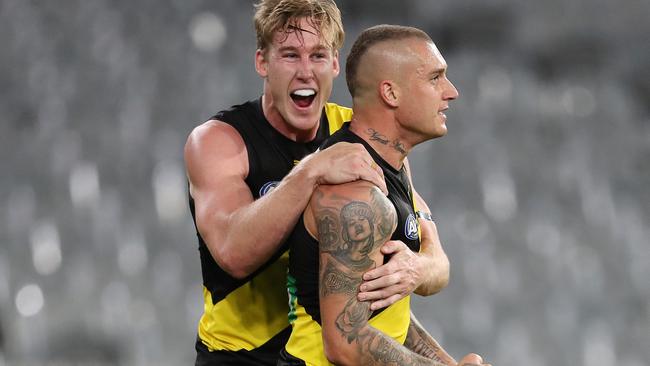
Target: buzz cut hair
[371, 37]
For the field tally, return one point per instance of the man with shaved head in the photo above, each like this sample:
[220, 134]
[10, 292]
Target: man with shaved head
[400, 90]
[251, 171]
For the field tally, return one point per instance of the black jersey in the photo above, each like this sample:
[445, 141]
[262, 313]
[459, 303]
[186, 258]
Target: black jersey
[245, 320]
[305, 344]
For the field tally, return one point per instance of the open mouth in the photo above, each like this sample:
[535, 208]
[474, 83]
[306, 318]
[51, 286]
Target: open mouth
[303, 98]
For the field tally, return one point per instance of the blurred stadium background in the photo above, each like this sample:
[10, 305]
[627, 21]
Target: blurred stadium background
[540, 190]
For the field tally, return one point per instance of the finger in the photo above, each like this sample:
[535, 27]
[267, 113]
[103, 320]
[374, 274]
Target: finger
[381, 271]
[374, 177]
[393, 246]
[383, 293]
[471, 359]
[386, 302]
[379, 283]
[378, 178]
[371, 295]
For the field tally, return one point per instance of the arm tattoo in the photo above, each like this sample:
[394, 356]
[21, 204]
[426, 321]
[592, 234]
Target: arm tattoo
[421, 342]
[417, 341]
[349, 239]
[387, 216]
[328, 229]
[357, 221]
[335, 281]
[385, 351]
[352, 319]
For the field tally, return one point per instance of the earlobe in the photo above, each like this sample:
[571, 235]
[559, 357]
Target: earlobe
[260, 63]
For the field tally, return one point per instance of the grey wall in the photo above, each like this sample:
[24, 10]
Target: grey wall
[540, 189]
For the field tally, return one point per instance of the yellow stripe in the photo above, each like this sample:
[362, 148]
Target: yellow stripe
[336, 115]
[306, 340]
[249, 316]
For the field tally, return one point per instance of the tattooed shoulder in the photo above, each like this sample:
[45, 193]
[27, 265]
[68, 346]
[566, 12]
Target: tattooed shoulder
[387, 216]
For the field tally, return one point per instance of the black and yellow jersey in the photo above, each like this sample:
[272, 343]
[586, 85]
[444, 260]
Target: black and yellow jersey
[244, 322]
[305, 345]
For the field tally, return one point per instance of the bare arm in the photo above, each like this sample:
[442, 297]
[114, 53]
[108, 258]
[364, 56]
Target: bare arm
[420, 341]
[217, 166]
[424, 273]
[352, 221]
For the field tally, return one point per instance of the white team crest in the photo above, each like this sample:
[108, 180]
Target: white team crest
[411, 227]
[268, 187]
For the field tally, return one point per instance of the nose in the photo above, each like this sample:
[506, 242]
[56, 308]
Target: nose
[450, 92]
[305, 70]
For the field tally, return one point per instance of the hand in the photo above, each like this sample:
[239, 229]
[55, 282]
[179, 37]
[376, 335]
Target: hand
[344, 162]
[394, 280]
[472, 359]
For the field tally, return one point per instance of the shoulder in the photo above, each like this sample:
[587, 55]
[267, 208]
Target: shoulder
[354, 197]
[213, 134]
[215, 142]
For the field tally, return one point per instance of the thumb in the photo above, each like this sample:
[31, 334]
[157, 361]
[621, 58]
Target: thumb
[471, 359]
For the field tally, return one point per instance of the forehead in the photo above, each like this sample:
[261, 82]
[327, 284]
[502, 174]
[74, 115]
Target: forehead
[427, 56]
[299, 34]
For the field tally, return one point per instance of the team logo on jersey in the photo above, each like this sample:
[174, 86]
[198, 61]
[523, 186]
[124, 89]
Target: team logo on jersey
[411, 227]
[268, 187]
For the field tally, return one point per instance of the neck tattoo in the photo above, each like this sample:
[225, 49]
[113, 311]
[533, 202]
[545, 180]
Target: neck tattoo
[376, 136]
[382, 139]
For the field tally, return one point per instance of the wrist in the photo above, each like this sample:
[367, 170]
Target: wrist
[307, 173]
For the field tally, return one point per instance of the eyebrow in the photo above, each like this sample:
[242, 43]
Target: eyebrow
[439, 70]
[319, 47]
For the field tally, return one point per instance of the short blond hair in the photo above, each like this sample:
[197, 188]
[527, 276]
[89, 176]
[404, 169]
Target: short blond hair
[284, 16]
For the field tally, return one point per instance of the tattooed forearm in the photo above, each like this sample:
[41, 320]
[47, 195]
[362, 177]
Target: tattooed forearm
[381, 350]
[335, 281]
[421, 342]
[353, 318]
[418, 344]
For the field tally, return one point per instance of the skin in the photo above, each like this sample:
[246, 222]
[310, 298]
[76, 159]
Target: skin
[217, 166]
[292, 63]
[217, 163]
[384, 105]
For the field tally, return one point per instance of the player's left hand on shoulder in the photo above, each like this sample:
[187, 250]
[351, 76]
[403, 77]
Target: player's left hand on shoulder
[393, 280]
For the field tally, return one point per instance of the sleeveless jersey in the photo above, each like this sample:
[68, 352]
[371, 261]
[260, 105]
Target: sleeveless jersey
[305, 345]
[245, 320]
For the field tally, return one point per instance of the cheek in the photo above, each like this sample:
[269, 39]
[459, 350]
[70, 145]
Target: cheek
[325, 71]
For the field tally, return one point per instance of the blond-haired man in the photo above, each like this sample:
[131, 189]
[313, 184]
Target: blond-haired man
[251, 173]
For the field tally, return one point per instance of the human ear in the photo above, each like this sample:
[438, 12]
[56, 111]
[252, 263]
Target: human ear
[261, 64]
[389, 93]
